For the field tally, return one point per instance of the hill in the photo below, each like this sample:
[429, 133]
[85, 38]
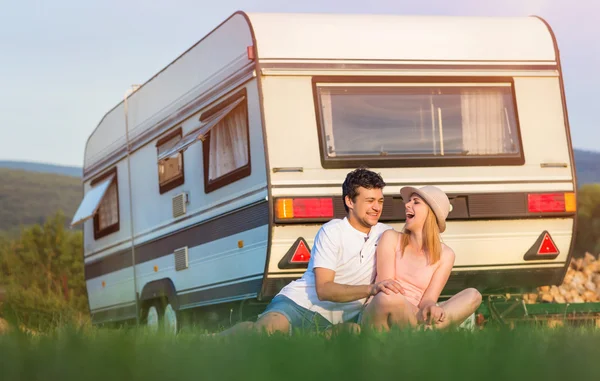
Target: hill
[42, 168]
[28, 198]
[31, 192]
[587, 164]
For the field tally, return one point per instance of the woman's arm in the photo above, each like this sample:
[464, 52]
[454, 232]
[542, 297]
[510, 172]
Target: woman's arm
[386, 255]
[439, 279]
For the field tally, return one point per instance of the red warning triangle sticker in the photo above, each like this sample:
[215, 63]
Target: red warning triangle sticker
[301, 254]
[547, 247]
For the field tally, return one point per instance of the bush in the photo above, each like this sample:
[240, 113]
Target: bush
[43, 275]
[587, 237]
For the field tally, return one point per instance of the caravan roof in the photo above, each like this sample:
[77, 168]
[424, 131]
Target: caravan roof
[316, 39]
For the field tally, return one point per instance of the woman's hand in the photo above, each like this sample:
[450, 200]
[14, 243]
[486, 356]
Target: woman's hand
[433, 314]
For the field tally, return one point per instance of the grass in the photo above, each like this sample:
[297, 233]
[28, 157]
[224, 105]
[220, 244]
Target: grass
[135, 354]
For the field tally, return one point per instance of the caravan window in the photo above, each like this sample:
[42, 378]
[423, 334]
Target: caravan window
[170, 169]
[106, 219]
[418, 124]
[226, 146]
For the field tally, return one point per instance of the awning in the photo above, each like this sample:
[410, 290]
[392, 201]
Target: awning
[91, 202]
[200, 132]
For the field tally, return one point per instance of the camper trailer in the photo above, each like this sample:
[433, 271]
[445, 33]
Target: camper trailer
[207, 184]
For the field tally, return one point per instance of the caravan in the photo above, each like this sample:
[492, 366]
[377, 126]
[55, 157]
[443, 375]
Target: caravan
[207, 184]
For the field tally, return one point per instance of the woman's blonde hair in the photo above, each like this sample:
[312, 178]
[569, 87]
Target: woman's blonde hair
[432, 245]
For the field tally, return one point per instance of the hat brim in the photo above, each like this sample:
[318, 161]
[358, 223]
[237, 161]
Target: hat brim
[406, 192]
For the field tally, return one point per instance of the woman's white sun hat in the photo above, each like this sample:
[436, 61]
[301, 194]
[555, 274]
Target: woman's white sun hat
[434, 197]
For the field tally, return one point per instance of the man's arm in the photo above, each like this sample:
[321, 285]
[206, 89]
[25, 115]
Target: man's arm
[328, 290]
[326, 250]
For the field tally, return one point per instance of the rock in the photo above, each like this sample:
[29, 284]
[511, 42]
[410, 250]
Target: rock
[588, 258]
[590, 285]
[546, 288]
[547, 298]
[590, 296]
[4, 327]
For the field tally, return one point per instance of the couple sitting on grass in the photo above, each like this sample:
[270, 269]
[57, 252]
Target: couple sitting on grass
[364, 273]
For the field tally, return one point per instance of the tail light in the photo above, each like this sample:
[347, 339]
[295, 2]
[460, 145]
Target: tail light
[292, 208]
[551, 202]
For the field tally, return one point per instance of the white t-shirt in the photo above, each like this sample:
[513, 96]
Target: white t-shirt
[351, 254]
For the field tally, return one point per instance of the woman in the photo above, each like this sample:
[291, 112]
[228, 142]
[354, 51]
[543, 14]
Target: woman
[421, 264]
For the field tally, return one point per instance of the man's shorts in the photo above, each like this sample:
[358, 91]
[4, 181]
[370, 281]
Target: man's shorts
[299, 317]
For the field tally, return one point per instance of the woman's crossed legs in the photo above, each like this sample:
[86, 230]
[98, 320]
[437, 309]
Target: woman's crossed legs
[385, 311]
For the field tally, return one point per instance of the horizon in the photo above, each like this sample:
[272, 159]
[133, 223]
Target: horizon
[70, 63]
[81, 167]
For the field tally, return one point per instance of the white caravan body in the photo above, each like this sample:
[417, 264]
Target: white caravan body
[204, 181]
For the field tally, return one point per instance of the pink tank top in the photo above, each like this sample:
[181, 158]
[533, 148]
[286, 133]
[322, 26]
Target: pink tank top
[414, 274]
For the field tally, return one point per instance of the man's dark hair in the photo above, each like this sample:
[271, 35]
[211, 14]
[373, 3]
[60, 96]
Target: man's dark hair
[360, 177]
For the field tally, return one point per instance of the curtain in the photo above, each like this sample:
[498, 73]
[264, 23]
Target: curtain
[107, 213]
[483, 122]
[327, 113]
[229, 144]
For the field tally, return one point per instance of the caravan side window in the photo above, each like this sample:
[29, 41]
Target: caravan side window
[170, 169]
[106, 220]
[226, 147]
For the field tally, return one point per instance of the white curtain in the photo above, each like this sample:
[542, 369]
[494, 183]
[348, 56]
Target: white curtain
[483, 122]
[229, 144]
[327, 113]
[107, 213]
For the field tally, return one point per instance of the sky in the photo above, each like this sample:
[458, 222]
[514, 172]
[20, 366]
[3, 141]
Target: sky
[65, 63]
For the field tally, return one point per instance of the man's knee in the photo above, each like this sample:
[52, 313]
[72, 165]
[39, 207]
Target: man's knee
[343, 328]
[271, 322]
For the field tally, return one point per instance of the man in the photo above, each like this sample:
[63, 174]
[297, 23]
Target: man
[341, 270]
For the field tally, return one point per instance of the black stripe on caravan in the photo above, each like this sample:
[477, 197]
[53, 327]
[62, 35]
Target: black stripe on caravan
[192, 299]
[114, 314]
[205, 286]
[402, 66]
[220, 227]
[111, 263]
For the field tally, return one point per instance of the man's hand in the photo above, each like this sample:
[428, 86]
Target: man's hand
[388, 286]
[433, 314]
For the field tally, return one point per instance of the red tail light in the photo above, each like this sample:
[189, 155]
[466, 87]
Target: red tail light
[551, 202]
[289, 208]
